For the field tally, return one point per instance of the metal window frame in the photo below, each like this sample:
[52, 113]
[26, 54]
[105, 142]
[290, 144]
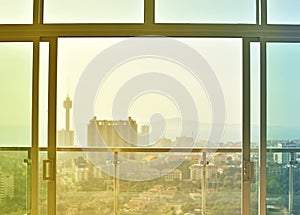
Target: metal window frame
[38, 32]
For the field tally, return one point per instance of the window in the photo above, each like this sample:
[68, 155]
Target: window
[72, 84]
[145, 105]
[15, 126]
[283, 125]
[194, 11]
[147, 174]
[43, 94]
[255, 123]
[283, 12]
[14, 177]
[93, 11]
[16, 12]
[15, 112]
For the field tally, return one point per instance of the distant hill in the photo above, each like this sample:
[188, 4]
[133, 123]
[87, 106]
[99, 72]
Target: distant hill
[232, 132]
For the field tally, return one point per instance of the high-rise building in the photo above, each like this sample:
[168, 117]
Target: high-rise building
[170, 175]
[284, 157]
[196, 171]
[112, 133]
[65, 137]
[81, 170]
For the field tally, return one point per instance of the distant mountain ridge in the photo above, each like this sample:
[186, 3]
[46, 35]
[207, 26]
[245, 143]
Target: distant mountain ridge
[233, 132]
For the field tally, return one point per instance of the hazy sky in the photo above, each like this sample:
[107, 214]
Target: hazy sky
[15, 94]
[16, 11]
[223, 55]
[283, 72]
[15, 82]
[212, 11]
[94, 11]
[283, 11]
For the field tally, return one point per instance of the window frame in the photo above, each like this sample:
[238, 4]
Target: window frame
[38, 32]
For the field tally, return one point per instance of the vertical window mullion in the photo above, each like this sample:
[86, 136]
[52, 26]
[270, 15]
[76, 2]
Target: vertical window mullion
[38, 12]
[263, 128]
[246, 126]
[52, 123]
[35, 129]
[263, 11]
[149, 13]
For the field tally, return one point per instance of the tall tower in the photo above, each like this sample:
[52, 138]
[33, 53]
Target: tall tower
[65, 137]
[68, 106]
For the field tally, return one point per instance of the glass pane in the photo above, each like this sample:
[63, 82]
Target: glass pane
[14, 183]
[277, 184]
[94, 11]
[43, 185]
[228, 183]
[203, 11]
[283, 97]
[16, 12]
[83, 188]
[159, 115]
[189, 188]
[283, 12]
[255, 123]
[283, 128]
[15, 94]
[255, 93]
[254, 186]
[43, 94]
[138, 97]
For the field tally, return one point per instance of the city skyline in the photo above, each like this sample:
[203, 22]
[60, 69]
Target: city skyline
[74, 71]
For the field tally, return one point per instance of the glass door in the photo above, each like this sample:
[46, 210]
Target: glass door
[138, 124]
[15, 127]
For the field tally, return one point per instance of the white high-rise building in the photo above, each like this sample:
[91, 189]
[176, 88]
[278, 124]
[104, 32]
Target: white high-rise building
[284, 157]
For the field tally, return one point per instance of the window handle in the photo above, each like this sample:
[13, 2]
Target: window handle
[249, 171]
[48, 169]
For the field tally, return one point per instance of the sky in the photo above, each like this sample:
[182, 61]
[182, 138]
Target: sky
[15, 82]
[15, 93]
[283, 84]
[223, 55]
[283, 12]
[282, 73]
[203, 11]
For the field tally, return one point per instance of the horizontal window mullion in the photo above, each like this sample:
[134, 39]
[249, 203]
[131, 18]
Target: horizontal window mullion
[28, 32]
[138, 149]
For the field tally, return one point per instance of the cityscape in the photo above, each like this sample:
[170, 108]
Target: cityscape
[86, 184]
[149, 107]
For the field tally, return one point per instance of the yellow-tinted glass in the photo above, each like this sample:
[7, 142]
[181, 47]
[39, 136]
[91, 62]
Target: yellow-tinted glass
[94, 11]
[16, 11]
[15, 94]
